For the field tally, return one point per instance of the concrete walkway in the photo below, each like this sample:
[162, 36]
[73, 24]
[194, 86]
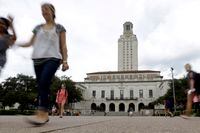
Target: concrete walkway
[101, 124]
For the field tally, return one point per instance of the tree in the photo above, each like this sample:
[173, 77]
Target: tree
[180, 87]
[23, 89]
[74, 94]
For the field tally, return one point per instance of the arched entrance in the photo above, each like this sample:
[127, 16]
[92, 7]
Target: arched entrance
[102, 107]
[112, 107]
[93, 106]
[131, 107]
[141, 106]
[121, 107]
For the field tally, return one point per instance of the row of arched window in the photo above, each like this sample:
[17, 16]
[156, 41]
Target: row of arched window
[112, 107]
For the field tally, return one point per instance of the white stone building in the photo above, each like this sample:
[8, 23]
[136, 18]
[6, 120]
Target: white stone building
[127, 49]
[118, 91]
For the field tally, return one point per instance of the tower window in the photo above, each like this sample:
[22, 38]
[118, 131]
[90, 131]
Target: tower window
[128, 27]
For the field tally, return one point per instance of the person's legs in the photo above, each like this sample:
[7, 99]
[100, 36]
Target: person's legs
[49, 69]
[189, 104]
[198, 106]
[44, 75]
[170, 112]
[165, 111]
[59, 109]
[62, 109]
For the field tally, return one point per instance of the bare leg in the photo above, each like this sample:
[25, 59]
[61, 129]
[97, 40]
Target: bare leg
[189, 104]
[59, 109]
[165, 112]
[169, 112]
[62, 108]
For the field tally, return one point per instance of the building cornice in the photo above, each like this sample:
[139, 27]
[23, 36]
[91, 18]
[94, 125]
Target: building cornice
[124, 72]
[118, 82]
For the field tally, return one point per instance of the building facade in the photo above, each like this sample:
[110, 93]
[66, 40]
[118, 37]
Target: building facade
[118, 91]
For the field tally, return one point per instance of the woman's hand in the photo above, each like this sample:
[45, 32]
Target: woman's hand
[11, 20]
[13, 37]
[65, 66]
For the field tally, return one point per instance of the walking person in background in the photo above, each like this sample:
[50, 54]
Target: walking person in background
[193, 79]
[61, 99]
[49, 51]
[168, 108]
[6, 39]
[130, 111]
[54, 110]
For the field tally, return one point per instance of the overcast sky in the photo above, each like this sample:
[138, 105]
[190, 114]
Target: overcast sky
[167, 30]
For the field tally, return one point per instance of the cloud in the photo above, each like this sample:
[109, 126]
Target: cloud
[167, 32]
[174, 41]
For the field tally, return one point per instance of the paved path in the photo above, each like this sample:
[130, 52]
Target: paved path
[101, 124]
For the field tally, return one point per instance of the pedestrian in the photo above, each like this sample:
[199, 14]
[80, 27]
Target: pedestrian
[49, 51]
[168, 108]
[130, 111]
[53, 110]
[193, 79]
[61, 99]
[6, 39]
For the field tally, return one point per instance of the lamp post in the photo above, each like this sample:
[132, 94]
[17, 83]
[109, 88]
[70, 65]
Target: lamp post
[174, 96]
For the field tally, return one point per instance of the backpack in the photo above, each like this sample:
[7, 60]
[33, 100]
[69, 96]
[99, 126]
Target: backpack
[196, 77]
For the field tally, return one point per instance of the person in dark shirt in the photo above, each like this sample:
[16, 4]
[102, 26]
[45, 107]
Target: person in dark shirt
[194, 89]
[168, 108]
[6, 39]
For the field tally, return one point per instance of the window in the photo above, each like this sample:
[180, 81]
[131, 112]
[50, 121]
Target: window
[112, 94]
[131, 94]
[121, 94]
[150, 93]
[128, 27]
[141, 93]
[94, 93]
[103, 94]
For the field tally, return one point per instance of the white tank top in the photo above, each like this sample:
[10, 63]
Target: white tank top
[46, 44]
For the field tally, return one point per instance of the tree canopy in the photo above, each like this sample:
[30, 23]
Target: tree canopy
[23, 90]
[180, 86]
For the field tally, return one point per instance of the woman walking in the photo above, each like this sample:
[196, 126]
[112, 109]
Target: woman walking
[168, 108]
[6, 39]
[61, 99]
[49, 51]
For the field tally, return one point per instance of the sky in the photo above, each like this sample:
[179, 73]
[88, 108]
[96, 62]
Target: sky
[167, 31]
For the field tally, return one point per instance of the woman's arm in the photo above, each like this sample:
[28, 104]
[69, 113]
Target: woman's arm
[63, 47]
[57, 95]
[13, 37]
[29, 43]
